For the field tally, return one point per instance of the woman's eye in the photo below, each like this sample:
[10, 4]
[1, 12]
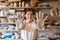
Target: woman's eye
[31, 14]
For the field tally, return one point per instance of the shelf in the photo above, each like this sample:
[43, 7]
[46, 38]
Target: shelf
[2, 0]
[54, 16]
[30, 7]
[48, 23]
[57, 36]
[24, 7]
[3, 3]
[1, 8]
[48, 0]
[8, 30]
[14, 0]
[44, 30]
[3, 16]
[34, 0]
[8, 23]
[58, 27]
[10, 39]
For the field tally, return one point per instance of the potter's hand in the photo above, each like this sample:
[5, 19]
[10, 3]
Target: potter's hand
[41, 20]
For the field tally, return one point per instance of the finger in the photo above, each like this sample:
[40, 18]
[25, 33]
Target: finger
[36, 15]
[42, 16]
[45, 18]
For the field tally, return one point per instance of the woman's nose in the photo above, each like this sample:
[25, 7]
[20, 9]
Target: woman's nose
[29, 15]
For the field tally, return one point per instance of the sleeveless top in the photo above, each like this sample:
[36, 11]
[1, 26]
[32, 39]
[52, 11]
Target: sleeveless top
[30, 26]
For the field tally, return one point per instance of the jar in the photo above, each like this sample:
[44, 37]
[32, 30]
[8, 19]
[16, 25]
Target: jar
[19, 4]
[11, 4]
[23, 4]
[15, 4]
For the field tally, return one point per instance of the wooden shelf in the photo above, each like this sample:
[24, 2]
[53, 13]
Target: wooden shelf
[24, 7]
[48, 0]
[3, 3]
[48, 23]
[1, 8]
[44, 30]
[14, 0]
[30, 7]
[54, 36]
[54, 27]
[3, 16]
[2, 0]
[54, 17]
[51, 18]
[8, 23]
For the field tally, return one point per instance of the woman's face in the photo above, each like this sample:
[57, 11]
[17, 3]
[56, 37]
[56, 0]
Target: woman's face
[29, 15]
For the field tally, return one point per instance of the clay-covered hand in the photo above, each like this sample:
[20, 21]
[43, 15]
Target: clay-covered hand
[41, 20]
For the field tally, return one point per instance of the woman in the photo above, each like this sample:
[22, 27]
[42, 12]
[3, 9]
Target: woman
[29, 28]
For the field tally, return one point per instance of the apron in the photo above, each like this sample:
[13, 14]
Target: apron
[29, 32]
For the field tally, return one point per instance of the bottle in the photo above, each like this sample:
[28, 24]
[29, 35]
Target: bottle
[19, 4]
[15, 4]
[11, 4]
[1, 13]
[51, 12]
[32, 3]
[22, 3]
[26, 5]
[43, 28]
